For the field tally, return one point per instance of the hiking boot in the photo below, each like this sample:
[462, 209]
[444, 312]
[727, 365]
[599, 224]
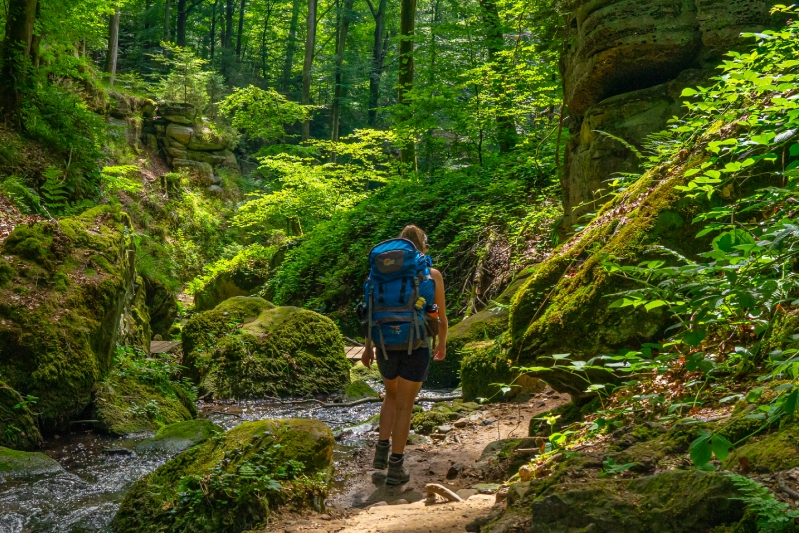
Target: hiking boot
[398, 473]
[381, 456]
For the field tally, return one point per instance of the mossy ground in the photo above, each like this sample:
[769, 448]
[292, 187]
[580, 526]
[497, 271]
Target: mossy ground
[286, 351]
[203, 331]
[60, 309]
[232, 481]
[358, 390]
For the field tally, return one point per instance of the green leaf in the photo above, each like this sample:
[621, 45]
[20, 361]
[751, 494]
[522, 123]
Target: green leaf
[694, 338]
[790, 402]
[689, 92]
[794, 150]
[700, 450]
[721, 446]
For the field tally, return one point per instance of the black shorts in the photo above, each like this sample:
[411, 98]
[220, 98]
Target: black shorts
[413, 367]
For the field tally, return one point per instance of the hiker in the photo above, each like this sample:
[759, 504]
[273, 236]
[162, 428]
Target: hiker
[403, 313]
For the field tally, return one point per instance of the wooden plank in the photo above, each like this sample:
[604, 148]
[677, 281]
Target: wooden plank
[163, 346]
[353, 353]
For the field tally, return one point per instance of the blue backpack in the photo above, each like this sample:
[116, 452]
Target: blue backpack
[397, 293]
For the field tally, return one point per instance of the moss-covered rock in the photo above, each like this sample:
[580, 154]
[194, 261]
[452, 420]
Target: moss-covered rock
[243, 281]
[18, 464]
[232, 481]
[18, 428]
[771, 453]
[60, 312]
[486, 325]
[127, 403]
[359, 371]
[202, 332]
[677, 501]
[286, 351]
[485, 366]
[442, 413]
[176, 438]
[563, 306]
[162, 305]
[358, 390]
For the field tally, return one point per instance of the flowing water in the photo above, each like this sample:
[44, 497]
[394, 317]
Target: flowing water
[98, 470]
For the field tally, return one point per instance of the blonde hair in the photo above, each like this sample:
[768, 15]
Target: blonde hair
[417, 236]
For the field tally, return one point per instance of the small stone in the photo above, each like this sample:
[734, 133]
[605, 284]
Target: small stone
[326, 517]
[488, 421]
[444, 429]
[378, 504]
[465, 494]
[455, 470]
[461, 423]
[216, 189]
[526, 473]
[475, 418]
[487, 488]
[400, 502]
[118, 451]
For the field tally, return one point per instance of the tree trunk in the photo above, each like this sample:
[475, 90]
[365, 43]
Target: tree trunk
[310, 45]
[167, 19]
[182, 17]
[15, 53]
[241, 29]
[406, 69]
[229, 11]
[213, 29]
[341, 47]
[36, 40]
[113, 46]
[147, 5]
[378, 56]
[263, 42]
[291, 47]
[495, 42]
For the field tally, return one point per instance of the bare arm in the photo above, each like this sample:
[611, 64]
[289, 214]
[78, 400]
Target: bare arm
[441, 349]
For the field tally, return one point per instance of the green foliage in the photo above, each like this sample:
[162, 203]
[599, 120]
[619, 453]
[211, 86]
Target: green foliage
[246, 256]
[158, 371]
[262, 114]
[772, 514]
[54, 192]
[25, 198]
[187, 81]
[116, 179]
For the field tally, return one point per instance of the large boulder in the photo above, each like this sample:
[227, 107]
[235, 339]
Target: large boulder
[676, 501]
[642, 53]
[482, 326]
[205, 140]
[233, 482]
[485, 368]
[286, 351]
[203, 331]
[201, 169]
[244, 280]
[162, 305]
[181, 134]
[67, 287]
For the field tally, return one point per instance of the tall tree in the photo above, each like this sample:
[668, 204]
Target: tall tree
[267, 17]
[36, 40]
[113, 46]
[184, 10]
[291, 46]
[15, 54]
[310, 45]
[241, 28]
[213, 28]
[230, 9]
[167, 19]
[495, 43]
[345, 18]
[379, 49]
[406, 68]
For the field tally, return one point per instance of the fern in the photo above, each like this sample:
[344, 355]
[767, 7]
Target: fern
[54, 192]
[772, 515]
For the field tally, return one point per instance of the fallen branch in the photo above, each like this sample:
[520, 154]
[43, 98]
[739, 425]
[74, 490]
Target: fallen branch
[444, 492]
[786, 489]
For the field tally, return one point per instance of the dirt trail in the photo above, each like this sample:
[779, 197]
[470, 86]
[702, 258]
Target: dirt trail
[364, 504]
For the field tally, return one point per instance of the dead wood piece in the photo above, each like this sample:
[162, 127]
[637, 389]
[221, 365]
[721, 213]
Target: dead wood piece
[444, 492]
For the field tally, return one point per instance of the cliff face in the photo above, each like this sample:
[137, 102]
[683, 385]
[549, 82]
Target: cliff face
[624, 68]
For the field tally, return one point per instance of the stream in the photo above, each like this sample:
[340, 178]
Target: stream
[85, 496]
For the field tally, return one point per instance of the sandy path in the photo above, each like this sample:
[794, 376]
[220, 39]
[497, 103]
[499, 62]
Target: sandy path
[352, 505]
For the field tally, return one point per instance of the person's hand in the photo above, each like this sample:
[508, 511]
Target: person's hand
[368, 356]
[441, 352]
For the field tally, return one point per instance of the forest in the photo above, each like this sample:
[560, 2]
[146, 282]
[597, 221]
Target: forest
[189, 194]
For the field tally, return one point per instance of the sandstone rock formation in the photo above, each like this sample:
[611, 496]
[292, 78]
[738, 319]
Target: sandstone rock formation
[623, 71]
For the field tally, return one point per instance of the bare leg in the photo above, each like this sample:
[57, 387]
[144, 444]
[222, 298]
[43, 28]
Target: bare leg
[388, 409]
[405, 397]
